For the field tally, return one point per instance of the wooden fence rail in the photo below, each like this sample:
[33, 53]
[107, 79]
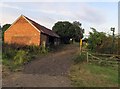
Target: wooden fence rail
[105, 59]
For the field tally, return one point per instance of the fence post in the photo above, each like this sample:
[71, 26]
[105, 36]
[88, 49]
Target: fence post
[87, 57]
[80, 46]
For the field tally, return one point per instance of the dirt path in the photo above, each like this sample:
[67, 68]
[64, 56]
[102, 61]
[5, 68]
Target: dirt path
[50, 71]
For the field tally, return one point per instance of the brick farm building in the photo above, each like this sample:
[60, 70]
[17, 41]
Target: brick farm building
[25, 31]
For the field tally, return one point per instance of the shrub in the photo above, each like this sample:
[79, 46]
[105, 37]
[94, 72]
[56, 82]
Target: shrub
[5, 62]
[103, 43]
[8, 53]
[20, 57]
[43, 50]
[36, 49]
[80, 58]
[13, 56]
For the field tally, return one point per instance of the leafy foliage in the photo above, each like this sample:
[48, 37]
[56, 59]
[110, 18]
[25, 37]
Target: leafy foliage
[20, 57]
[4, 28]
[13, 56]
[78, 31]
[100, 42]
[96, 39]
[118, 44]
[0, 27]
[68, 30]
[80, 58]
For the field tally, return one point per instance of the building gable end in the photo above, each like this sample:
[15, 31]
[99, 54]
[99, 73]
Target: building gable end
[26, 20]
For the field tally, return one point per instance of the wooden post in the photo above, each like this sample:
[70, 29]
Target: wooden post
[87, 57]
[80, 46]
[43, 46]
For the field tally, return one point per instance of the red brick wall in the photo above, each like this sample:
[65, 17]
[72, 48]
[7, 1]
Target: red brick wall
[23, 33]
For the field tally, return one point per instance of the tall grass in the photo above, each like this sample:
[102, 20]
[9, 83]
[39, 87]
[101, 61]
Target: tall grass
[80, 58]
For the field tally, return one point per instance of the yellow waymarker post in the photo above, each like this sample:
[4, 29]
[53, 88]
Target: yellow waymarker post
[80, 46]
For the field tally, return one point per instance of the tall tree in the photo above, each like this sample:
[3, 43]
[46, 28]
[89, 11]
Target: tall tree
[96, 39]
[65, 30]
[78, 30]
[68, 30]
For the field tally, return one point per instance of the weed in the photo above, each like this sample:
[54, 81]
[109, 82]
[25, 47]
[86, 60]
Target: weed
[80, 58]
[20, 57]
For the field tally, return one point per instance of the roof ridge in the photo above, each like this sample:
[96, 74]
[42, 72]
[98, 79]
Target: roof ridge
[35, 22]
[42, 28]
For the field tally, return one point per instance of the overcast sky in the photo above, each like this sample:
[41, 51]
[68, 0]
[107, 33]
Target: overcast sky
[100, 15]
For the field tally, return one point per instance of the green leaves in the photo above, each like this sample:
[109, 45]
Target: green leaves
[62, 28]
[4, 28]
[20, 57]
[96, 39]
[67, 30]
[100, 42]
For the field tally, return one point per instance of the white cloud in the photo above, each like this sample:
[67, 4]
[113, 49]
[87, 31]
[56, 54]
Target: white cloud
[91, 15]
[3, 5]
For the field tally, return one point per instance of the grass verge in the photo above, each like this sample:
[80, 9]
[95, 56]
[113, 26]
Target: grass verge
[92, 75]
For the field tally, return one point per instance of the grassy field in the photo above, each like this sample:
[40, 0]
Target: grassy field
[92, 75]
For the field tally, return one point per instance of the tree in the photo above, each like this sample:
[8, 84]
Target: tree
[102, 43]
[67, 30]
[78, 30]
[118, 45]
[0, 32]
[96, 39]
[4, 28]
[64, 30]
[0, 28]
